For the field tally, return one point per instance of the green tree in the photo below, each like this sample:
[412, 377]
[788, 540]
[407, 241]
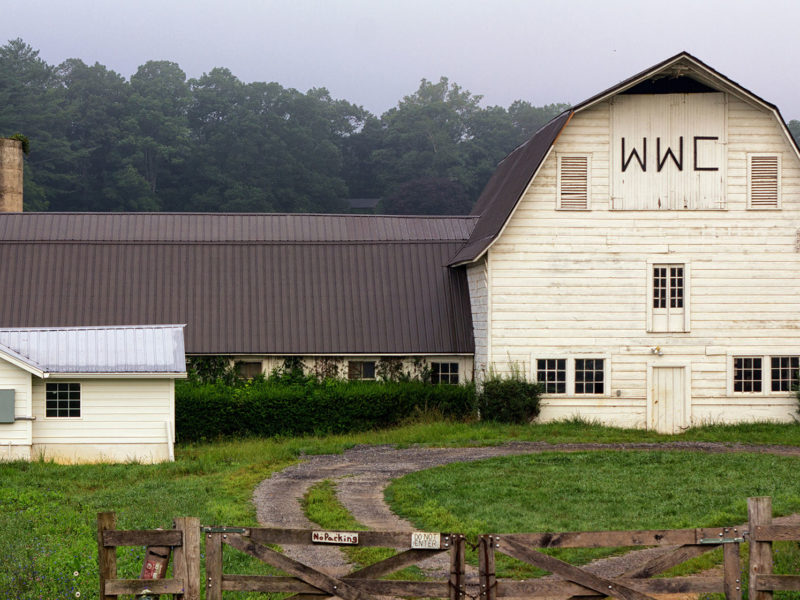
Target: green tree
[31, 103]
[96, 102]
[428, 196]
[158, 105]
[794, 129]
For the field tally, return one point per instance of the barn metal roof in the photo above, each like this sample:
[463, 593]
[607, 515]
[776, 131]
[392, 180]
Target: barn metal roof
[151, 349]
[245, 284]
[514, 173]
[226, 227]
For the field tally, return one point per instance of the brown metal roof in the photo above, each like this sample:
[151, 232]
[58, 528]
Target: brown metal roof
[385, 291]
[226, 227]
[514, 173]
[506, 186]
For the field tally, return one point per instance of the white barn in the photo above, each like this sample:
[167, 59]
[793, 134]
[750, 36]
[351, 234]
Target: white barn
[87, 394]
[640, 256]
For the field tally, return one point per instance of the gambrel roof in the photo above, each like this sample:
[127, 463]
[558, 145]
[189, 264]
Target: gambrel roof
[515, 172]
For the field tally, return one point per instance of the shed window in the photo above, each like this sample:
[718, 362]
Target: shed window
[573, 182]
[63, 400]
[763, 174]
[361, 369]
[747, 373]
[444, 372]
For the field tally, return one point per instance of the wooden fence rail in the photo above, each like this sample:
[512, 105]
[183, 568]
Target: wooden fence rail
[309, 582]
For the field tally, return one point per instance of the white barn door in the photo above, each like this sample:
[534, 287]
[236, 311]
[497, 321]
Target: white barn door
[667, 399]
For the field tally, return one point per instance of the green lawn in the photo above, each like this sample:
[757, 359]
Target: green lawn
[48, 511]
[592, 491]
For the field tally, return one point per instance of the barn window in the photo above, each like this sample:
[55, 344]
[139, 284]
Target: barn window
[444, 372]
[763, 181]
[747, 374]
[668, 297]
[63, 400]
[361, 369]
[589, 376]
[552, 374]
[784, 372]
[573, 182]
[250, 369]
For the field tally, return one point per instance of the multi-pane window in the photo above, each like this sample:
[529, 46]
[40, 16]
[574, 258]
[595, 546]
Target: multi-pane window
[63, 400]
[784, 372]
[667, 286]
[444, 372]
[361, 369]
[747, 373]
[589, 376]
[552, 373]
[668, 298]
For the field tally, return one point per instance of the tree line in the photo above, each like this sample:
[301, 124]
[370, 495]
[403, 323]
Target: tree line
[161, 142]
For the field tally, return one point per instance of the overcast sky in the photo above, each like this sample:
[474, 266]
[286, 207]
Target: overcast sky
[373, 52]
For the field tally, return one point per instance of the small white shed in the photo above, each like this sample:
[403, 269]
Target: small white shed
[90, 394]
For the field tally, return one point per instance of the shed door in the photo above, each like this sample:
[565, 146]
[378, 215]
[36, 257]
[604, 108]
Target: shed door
[668, 399]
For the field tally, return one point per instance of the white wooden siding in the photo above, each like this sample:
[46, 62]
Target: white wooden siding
[577, 280]
[675, 158]
[478, 281]
[121, 419]
[15, 438]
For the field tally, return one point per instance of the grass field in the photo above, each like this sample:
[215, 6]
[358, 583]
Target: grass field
[48, 511]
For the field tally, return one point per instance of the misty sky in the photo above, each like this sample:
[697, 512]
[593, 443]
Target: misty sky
[373, 52]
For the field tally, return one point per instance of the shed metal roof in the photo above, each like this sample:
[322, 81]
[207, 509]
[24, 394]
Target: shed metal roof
[151, 349]
[297, 284]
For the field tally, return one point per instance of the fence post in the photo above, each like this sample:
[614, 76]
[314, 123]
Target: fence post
[759, 512]
[187, 557]
[106, 557]
[457, 566]
[732, 571]
[486, 571]
[213, 566]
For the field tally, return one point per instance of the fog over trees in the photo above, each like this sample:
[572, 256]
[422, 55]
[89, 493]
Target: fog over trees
[162, 142]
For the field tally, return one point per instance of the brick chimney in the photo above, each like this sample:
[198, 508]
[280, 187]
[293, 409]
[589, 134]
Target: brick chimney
[10, 175]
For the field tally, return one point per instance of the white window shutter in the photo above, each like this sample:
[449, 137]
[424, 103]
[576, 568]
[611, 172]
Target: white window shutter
[764, 181]
[573, 182]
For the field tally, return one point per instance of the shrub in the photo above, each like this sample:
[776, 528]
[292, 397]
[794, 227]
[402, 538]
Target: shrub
[509, 400]
[286, 405]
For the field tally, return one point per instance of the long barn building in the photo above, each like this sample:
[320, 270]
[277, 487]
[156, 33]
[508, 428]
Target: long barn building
[638, 256]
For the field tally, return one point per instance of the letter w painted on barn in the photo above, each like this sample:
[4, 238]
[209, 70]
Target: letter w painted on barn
[641, 159]
[661, 160]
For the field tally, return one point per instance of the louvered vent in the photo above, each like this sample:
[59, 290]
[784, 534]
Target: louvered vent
[764, 181]
[574, 182]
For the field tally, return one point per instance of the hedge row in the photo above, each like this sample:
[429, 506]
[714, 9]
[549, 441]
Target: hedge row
[266, 408]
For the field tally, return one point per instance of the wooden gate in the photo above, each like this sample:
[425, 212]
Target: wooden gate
[308, 582]
[634, 584]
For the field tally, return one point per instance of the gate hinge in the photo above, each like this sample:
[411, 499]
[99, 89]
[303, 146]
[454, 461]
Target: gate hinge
[736, 540]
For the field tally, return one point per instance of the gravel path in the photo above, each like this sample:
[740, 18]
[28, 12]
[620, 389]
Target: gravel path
[363, 472]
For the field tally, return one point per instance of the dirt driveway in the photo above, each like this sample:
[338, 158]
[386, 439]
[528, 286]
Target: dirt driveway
[363, 472]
